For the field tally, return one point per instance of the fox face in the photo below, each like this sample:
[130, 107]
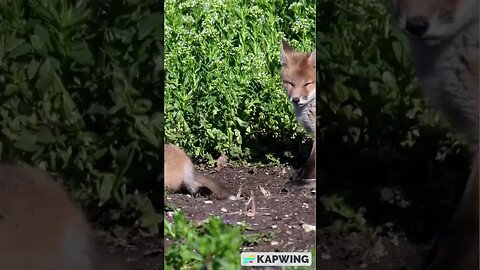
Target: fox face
[432, 21]
[298, 75]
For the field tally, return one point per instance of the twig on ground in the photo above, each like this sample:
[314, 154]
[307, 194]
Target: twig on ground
[265, 192]
[253, 211]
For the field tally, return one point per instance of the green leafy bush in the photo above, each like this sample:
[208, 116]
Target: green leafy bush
[80, 94]
[223, 91]
[215, 245]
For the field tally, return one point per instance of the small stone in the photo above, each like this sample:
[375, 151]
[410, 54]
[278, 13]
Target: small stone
[325, 256]
[308, 228]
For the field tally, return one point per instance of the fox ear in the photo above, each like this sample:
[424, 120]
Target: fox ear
[312, 59]
[285, 49]
[283, 59]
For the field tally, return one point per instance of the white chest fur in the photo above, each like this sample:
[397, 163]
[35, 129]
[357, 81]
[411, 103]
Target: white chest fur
[446, 78]
[306, 115]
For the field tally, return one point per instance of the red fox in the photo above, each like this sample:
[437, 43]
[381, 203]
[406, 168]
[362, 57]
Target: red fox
[40, 228]
[179, 173]
[298, 74]
[444, 43]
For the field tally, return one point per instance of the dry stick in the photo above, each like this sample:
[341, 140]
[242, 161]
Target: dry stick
[253, 212]
[264, 191]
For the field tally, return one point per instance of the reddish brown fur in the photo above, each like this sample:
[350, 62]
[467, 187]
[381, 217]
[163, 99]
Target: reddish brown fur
[298, 74]
[40, 228]
[179, 173]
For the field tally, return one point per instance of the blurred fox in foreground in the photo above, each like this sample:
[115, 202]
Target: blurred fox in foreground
[443, 39]
[41, 229]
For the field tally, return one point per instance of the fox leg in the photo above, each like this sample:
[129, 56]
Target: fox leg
[458, 249]
[309, 169]
[307, 176]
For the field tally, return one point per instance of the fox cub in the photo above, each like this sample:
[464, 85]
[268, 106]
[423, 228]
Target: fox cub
[40, 228]
[179, 173]
[444, 43]
[298, 74]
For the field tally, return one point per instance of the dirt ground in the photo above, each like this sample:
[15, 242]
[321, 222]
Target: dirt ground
[288, 216]
[291, 216]
[138, 253]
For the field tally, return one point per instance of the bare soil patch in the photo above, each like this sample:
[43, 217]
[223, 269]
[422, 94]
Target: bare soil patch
[281, 219]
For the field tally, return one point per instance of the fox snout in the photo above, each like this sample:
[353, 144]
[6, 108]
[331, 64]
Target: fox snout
[301, 99]
[433, 21]
[298, 75]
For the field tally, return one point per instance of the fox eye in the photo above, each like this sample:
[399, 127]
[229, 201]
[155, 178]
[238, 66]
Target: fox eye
[308, 83]
[288, 82]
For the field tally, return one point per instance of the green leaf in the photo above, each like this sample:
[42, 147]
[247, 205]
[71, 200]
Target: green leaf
[44, 135]
[87, 137]
[21, 50]
[149, 135]
[32, 69]
[106, 188]
[388, 78]
[80, 52]
[10, 89]
[45, 75]
[100, 153]
[39, 45]
[397, 51]
[147, 25]
[13, 43]
[42, 33]
[151, 221]
[123, 153]
[27, 141]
